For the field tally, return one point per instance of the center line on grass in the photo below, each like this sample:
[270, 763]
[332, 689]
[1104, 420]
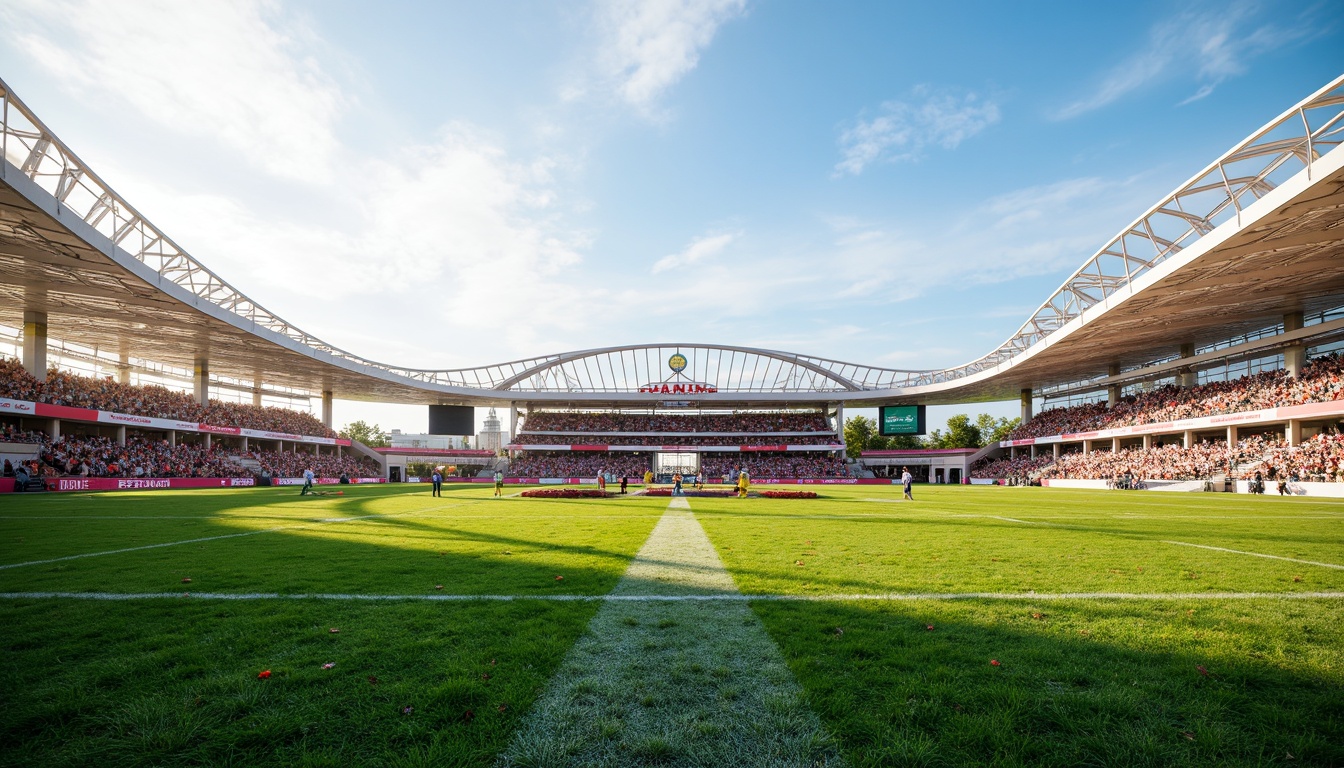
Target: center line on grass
[1255, 554]
[674, 667]
[736, 597]
[299, 526]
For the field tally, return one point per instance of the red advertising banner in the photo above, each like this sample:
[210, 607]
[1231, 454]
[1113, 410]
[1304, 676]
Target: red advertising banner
[66, 484]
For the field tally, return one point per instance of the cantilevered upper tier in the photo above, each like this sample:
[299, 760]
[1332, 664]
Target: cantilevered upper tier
[1253, 237]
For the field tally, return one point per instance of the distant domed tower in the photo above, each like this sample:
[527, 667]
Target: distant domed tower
[491, 438]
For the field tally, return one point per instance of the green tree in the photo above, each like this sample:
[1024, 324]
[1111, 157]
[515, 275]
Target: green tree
[361, 431]
[995, 430]
[961, 433]
[905, 442]
[859, 432]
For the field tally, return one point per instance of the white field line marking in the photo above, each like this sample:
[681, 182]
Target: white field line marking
[1015, 520]
[1255, 554]
[299, 526]
[724, 598]
[648, 668]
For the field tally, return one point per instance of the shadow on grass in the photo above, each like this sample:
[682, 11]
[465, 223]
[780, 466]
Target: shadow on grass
[1078, 683]
[174, 681]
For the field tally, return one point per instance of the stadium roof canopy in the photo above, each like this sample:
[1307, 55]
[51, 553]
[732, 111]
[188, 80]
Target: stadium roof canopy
[1256, 234]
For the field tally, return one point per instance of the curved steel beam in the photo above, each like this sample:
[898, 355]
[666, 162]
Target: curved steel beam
[1284, 147]
[786, 357]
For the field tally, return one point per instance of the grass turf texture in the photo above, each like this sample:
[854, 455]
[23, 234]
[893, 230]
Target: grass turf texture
[1085, 682]
[1088, 682]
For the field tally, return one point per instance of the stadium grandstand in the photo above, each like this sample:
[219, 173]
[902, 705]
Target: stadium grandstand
[1199, 345]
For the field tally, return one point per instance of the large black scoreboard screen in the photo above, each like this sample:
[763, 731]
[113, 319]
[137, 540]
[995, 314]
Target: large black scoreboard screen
[900, 420]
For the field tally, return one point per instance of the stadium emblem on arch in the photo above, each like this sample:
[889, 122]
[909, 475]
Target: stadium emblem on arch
[677, 362]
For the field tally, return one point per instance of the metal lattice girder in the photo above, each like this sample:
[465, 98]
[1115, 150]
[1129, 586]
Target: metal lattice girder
[1288, 145]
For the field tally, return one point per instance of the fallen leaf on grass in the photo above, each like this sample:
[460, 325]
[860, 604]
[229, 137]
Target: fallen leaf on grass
[485, 675]
[1297, 578]
[839, 631]
[994, 663]
[329, 665]
[492, 662]
[1202, 670]
[508, 552]
[503, 707]
[1037, 615]
[1188, 735]
[373, 680]
[333, 630]
[928, 627]
[468, 716]
[798, 562]
[262, 675]
[438, 586]
[559, 578]
[186, 581]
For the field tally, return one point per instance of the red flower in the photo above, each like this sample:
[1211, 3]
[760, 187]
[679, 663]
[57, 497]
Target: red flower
[262, 675]
[929, 627]
[994, 663]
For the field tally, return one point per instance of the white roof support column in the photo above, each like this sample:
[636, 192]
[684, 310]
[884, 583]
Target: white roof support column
[200, 380]
[35, 344]
[1294, 357]
[326, 408]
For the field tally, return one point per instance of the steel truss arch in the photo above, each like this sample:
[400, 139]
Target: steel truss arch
[1287, 146]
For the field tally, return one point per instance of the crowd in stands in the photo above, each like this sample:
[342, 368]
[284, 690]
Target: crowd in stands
[1022, 467]
[288, 464]
[1322, 380]
[762, 465]
[65, 388]
[95, 456]
[92, 456]
[1319, 459]
[567, 464]
[12, 434]
[1168, 462]
[785, 421]
[669, 440]
[1160, 462]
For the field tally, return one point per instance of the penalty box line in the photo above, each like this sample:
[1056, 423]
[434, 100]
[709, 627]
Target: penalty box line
[726, 597]
[295, 527]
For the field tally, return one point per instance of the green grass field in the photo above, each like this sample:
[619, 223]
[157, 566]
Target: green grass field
[1125, 631]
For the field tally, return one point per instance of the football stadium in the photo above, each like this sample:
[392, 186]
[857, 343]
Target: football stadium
[673, 556]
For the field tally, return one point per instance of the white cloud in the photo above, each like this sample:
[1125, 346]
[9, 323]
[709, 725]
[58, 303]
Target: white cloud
[1214, 44]
[700, 249]
[648, 45]
[233, 72]
[1041, 230]
[903, 130]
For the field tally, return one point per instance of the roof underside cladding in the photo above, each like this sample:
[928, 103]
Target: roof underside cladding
[1267, 240]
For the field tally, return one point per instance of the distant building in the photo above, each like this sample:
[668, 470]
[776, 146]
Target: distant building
[400, 440]
[491, 437]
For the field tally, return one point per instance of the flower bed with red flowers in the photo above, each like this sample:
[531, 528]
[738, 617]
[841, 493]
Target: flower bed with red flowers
[788, 494]
[688, 492]
[564, 493]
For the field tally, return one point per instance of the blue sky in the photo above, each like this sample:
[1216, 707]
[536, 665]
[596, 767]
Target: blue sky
[451, 184]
